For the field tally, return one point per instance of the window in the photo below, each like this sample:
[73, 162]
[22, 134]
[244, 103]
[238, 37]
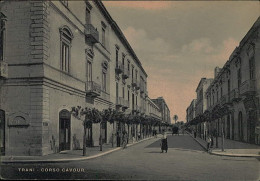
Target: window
[2, 35]
[123, 91]
[132, 73]
[104, 81]
[87, 16]
[66, 38]
[128, 95]
[65, 2]
[136, 74]
[116, 57]
[128, 65]
[103, 33]
[89, 71]
[252, 68]
[238, 77]
[104, 76]
[123, 59]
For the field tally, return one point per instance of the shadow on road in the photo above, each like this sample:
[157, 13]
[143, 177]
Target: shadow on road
[181, 142]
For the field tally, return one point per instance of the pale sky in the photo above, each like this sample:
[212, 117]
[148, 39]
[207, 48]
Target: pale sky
[179, 42]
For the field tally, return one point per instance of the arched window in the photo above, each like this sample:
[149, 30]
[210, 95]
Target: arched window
[66, 37]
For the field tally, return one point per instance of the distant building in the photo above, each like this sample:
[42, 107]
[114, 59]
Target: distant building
[165, 111]
[190, 111]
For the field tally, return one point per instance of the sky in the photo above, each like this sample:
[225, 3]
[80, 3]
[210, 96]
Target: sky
[179, 42]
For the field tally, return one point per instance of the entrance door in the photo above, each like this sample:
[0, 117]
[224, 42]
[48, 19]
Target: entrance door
[228, 127]
[64, 130]
[240, 126]
[89, 141]
[2, 131]
[104, 132]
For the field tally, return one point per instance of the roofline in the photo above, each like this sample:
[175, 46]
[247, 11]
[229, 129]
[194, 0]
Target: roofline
[119, 33]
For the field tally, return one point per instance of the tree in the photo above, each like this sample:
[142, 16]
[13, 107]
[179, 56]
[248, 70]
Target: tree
[109, 116]
[87, 116]
[175, 118]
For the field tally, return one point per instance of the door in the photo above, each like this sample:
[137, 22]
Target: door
[228, 127]
[89, 140]
[2, 131]
[240, 126]
[64, 130]
[104, 132]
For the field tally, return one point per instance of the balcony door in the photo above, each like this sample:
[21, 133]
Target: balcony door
[2, 131]
[64, 130]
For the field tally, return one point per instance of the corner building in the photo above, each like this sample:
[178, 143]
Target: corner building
[56, 55]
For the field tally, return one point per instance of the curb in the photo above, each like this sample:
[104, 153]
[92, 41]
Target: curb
[71, 159]
[221, 154]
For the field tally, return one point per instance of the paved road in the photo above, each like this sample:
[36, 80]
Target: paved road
[185, 160]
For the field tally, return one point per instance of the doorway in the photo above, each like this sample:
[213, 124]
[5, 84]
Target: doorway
[2, 131]
[64, 130]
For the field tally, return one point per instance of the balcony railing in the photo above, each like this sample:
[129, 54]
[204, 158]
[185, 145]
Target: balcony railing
[126, 73]
[3, 69]
[247, 87]
[91, 33]
[119, 68]
[125, 103]
[138, 85]
[234, 95]
[119, 101]
[134, 82]
[93, 89]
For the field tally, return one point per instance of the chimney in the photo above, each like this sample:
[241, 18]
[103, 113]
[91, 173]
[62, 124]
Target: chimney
[217, 70]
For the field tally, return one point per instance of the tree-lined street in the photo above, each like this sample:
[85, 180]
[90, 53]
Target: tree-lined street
[185, 160]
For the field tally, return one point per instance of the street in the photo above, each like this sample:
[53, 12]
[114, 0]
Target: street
[185, 160]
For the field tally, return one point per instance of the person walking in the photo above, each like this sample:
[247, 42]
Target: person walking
[208, 143]
[164, 143]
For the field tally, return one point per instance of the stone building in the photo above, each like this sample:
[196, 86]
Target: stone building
[190, 111]
[233, 96]
[56, 55]
[154, 112]
[201, 104]
[165, 111]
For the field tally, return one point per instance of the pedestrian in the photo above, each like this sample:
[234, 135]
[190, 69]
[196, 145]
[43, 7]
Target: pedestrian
[208, 142]
[164, 143]
[195, 134]
[124, 139]
[212, 142]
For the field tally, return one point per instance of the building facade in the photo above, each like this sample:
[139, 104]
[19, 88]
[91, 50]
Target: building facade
[232, 98]
[56, 55]
[190, 111]
[165, 111]
[236, 108]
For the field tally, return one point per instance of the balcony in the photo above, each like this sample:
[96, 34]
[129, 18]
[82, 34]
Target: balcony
[119, 68]
[134, 82]
[142, 89]
[126, 73]
[126, 104]
[247, 88]
[93, 89]
[3, 69]
[91, 33]
[138, 85]
[234, 95]
[119, 101]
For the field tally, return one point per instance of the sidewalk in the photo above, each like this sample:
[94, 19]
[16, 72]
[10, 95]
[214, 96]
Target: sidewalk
[231, 148]
[67, 156]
